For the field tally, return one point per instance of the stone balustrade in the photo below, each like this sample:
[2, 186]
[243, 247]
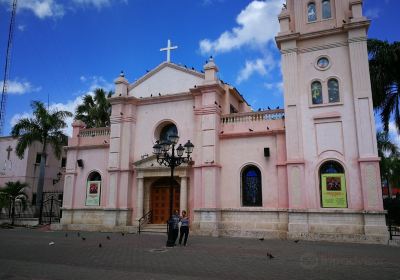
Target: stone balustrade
[94, 132]
[253, 116]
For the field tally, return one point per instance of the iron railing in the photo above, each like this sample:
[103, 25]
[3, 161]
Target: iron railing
[145, 220]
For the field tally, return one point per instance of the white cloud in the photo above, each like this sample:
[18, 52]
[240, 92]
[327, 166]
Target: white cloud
[69, 105]
[97, 82]
[42, 8]
[19, 88]
[257, 25]
[210, 2]
[21, 27]
[275, 88]
[96, 3]
[261, 66]
[373, 13]
[56, 8]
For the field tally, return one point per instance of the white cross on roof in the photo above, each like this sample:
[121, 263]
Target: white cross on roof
[168, 49]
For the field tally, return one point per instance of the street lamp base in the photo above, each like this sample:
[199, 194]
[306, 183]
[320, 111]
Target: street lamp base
[171, 238]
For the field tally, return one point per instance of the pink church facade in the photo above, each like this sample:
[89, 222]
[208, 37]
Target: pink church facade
[308, 171]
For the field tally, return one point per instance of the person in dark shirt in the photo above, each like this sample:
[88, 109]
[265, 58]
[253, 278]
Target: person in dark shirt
[184, 228]
[175, 224]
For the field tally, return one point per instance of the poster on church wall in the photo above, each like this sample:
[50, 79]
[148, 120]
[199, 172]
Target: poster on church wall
[93, 193]
[334, 193]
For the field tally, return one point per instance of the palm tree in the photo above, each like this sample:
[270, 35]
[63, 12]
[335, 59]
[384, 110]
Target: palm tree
[389, 154]
[44, 127]
[13, 192]
[95, 110]
[384, 60]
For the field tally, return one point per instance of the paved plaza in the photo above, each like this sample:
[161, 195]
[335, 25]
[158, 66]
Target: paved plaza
[43, 254]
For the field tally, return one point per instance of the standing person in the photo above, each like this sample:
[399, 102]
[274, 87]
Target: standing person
[175, 225]
[184, 228]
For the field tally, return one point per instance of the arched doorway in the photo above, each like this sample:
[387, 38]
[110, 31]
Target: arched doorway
[159, 200]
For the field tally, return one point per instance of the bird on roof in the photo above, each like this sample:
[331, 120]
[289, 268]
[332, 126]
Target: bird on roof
[250, 130]
[269, 108]
[159, 94]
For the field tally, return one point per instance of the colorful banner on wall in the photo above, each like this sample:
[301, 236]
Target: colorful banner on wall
[334, 193]
[93, 193]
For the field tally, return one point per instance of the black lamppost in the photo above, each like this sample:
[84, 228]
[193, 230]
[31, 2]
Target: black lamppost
[165, 152]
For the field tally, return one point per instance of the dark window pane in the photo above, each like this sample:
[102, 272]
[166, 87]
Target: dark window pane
[63, 162]
[333, 91]
[251, 187]
[168, 130]
[326, 9]
[311, 12]
[94, 176]
[38, 157]
[331, 167]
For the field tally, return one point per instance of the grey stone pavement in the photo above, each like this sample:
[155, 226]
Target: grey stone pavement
[26, 254]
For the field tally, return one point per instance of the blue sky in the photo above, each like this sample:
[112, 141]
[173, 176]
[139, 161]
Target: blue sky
[64, 49]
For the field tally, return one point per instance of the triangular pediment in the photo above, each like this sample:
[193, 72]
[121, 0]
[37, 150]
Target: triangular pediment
[148, 162]
[151, 163]
[167, 78]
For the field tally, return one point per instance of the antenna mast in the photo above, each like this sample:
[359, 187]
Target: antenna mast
[7, 66]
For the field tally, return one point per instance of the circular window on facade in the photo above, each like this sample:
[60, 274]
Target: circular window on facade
[323, 63]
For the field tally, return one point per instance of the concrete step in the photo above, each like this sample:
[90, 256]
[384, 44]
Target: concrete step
[154, 228]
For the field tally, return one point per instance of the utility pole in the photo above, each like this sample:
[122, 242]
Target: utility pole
[7, 66]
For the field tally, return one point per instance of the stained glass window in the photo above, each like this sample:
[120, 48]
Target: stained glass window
[326, 9]
[316, 93]
[311, 12]
[168, 130]
[251, 187]
[333, 91]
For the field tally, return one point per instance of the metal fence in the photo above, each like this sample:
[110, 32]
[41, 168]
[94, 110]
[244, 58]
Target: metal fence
[50, 209]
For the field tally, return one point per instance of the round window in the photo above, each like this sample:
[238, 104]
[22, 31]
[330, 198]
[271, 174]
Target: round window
[168, 130]
[323, 63]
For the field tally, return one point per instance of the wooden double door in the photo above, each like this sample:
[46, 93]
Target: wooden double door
[160, 203]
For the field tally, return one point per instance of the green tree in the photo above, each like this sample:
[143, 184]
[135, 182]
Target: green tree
[14, 192]
[384, 61]
[390, 163]
[44, 127]
[95, 110]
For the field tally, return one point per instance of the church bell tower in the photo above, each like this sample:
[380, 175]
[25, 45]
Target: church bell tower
[332, 161]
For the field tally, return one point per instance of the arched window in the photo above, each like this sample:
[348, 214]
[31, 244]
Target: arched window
[326, 9]
[333, 91]
[166, 131]
[311, 12]
[333, 185]
[94, 176]
[316, 93]
[93, 189]
[251, 186]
